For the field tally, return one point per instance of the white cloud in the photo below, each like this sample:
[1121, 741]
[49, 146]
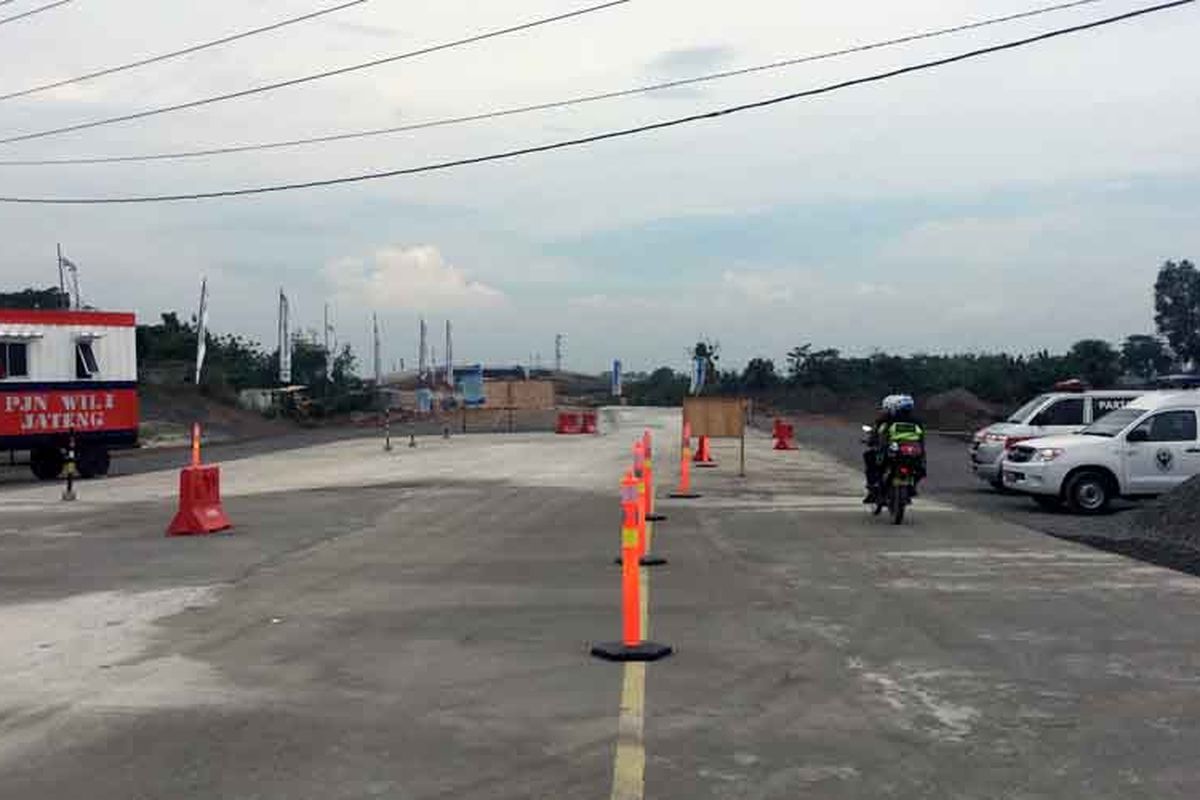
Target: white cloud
[983, 241]
[412, 278]
[605, 302]
[591, 301]
[866, 289]
[760, 287]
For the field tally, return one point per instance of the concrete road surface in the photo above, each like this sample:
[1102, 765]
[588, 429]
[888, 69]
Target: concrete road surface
[416, 625]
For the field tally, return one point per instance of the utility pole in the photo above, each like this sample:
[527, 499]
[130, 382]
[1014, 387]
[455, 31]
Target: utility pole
[62, 283]
[423, 352]
[449, 357]
[328, 354]
[558, 351]
[377, 364]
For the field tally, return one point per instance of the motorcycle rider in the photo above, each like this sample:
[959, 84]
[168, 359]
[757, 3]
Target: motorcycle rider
[895, 422]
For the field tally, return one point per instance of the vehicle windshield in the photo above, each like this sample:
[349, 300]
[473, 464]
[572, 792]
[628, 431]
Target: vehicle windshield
[1113, 422]
[1026, 411]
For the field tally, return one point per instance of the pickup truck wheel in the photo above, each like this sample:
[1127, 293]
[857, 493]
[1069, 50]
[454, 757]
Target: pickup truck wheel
[1089, 493]
[1047, 502]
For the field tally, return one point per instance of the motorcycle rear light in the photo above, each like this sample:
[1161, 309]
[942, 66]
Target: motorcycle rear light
[911, 449]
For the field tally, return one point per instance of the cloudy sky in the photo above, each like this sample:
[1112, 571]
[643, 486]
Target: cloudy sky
[1018, 201]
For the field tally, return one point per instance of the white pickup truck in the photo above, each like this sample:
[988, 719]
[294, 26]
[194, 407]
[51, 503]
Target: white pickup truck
[1146, 448]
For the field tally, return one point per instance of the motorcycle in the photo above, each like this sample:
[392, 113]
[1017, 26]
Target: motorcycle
[898, 482]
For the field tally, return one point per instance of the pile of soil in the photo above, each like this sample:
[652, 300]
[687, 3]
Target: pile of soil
[956, 410]
[168, 411]
[1174, 517]
[1165, 532]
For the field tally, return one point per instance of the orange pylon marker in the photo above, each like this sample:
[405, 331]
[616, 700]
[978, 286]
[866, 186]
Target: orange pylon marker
[646, 495]
[648, 447]
[704, 454]
[684, 492]
[643, 520]
[631, 647]
[195, 444]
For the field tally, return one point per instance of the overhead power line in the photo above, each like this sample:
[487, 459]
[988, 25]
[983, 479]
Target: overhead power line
[318, 75]
[177, 53]
[613, 134]
[32, 11]
[525, 109]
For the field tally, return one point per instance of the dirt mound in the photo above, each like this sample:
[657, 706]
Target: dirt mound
[956, 410]
[1174, 517]
[168, 412]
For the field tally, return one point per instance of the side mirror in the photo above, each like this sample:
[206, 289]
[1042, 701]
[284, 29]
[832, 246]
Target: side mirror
[1138, 435]
[866, 428]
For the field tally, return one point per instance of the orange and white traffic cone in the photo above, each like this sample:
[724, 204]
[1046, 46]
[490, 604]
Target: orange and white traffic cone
[644, 525]
[648, 448]
[704, 454]
[631, 647]
[646, 496]
[684, 492]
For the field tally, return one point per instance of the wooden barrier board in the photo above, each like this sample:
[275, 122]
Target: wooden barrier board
[519, 394]
[715, 417]
[718, 418]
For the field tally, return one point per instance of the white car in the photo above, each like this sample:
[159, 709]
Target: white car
[1045, 415]
[1148, 447]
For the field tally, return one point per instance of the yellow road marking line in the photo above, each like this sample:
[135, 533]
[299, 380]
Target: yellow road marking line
[629, 766]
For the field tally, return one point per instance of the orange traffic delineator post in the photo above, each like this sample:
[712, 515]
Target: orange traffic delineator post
[645, 531]
[195, 444]
[200, 509]
[684, 492]
[644, 557]
[631, 647]
[704, 454]
[648, 449]
[783, 432]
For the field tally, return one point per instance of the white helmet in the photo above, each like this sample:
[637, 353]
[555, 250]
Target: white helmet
[897, 402]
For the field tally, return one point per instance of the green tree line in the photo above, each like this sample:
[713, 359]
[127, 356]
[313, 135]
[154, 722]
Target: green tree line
[236, 362]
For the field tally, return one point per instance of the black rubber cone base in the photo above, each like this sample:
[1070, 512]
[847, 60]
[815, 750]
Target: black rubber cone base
[706, 465]
[656, 517]
[644, 561]
[684, 495]
[619, 651]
